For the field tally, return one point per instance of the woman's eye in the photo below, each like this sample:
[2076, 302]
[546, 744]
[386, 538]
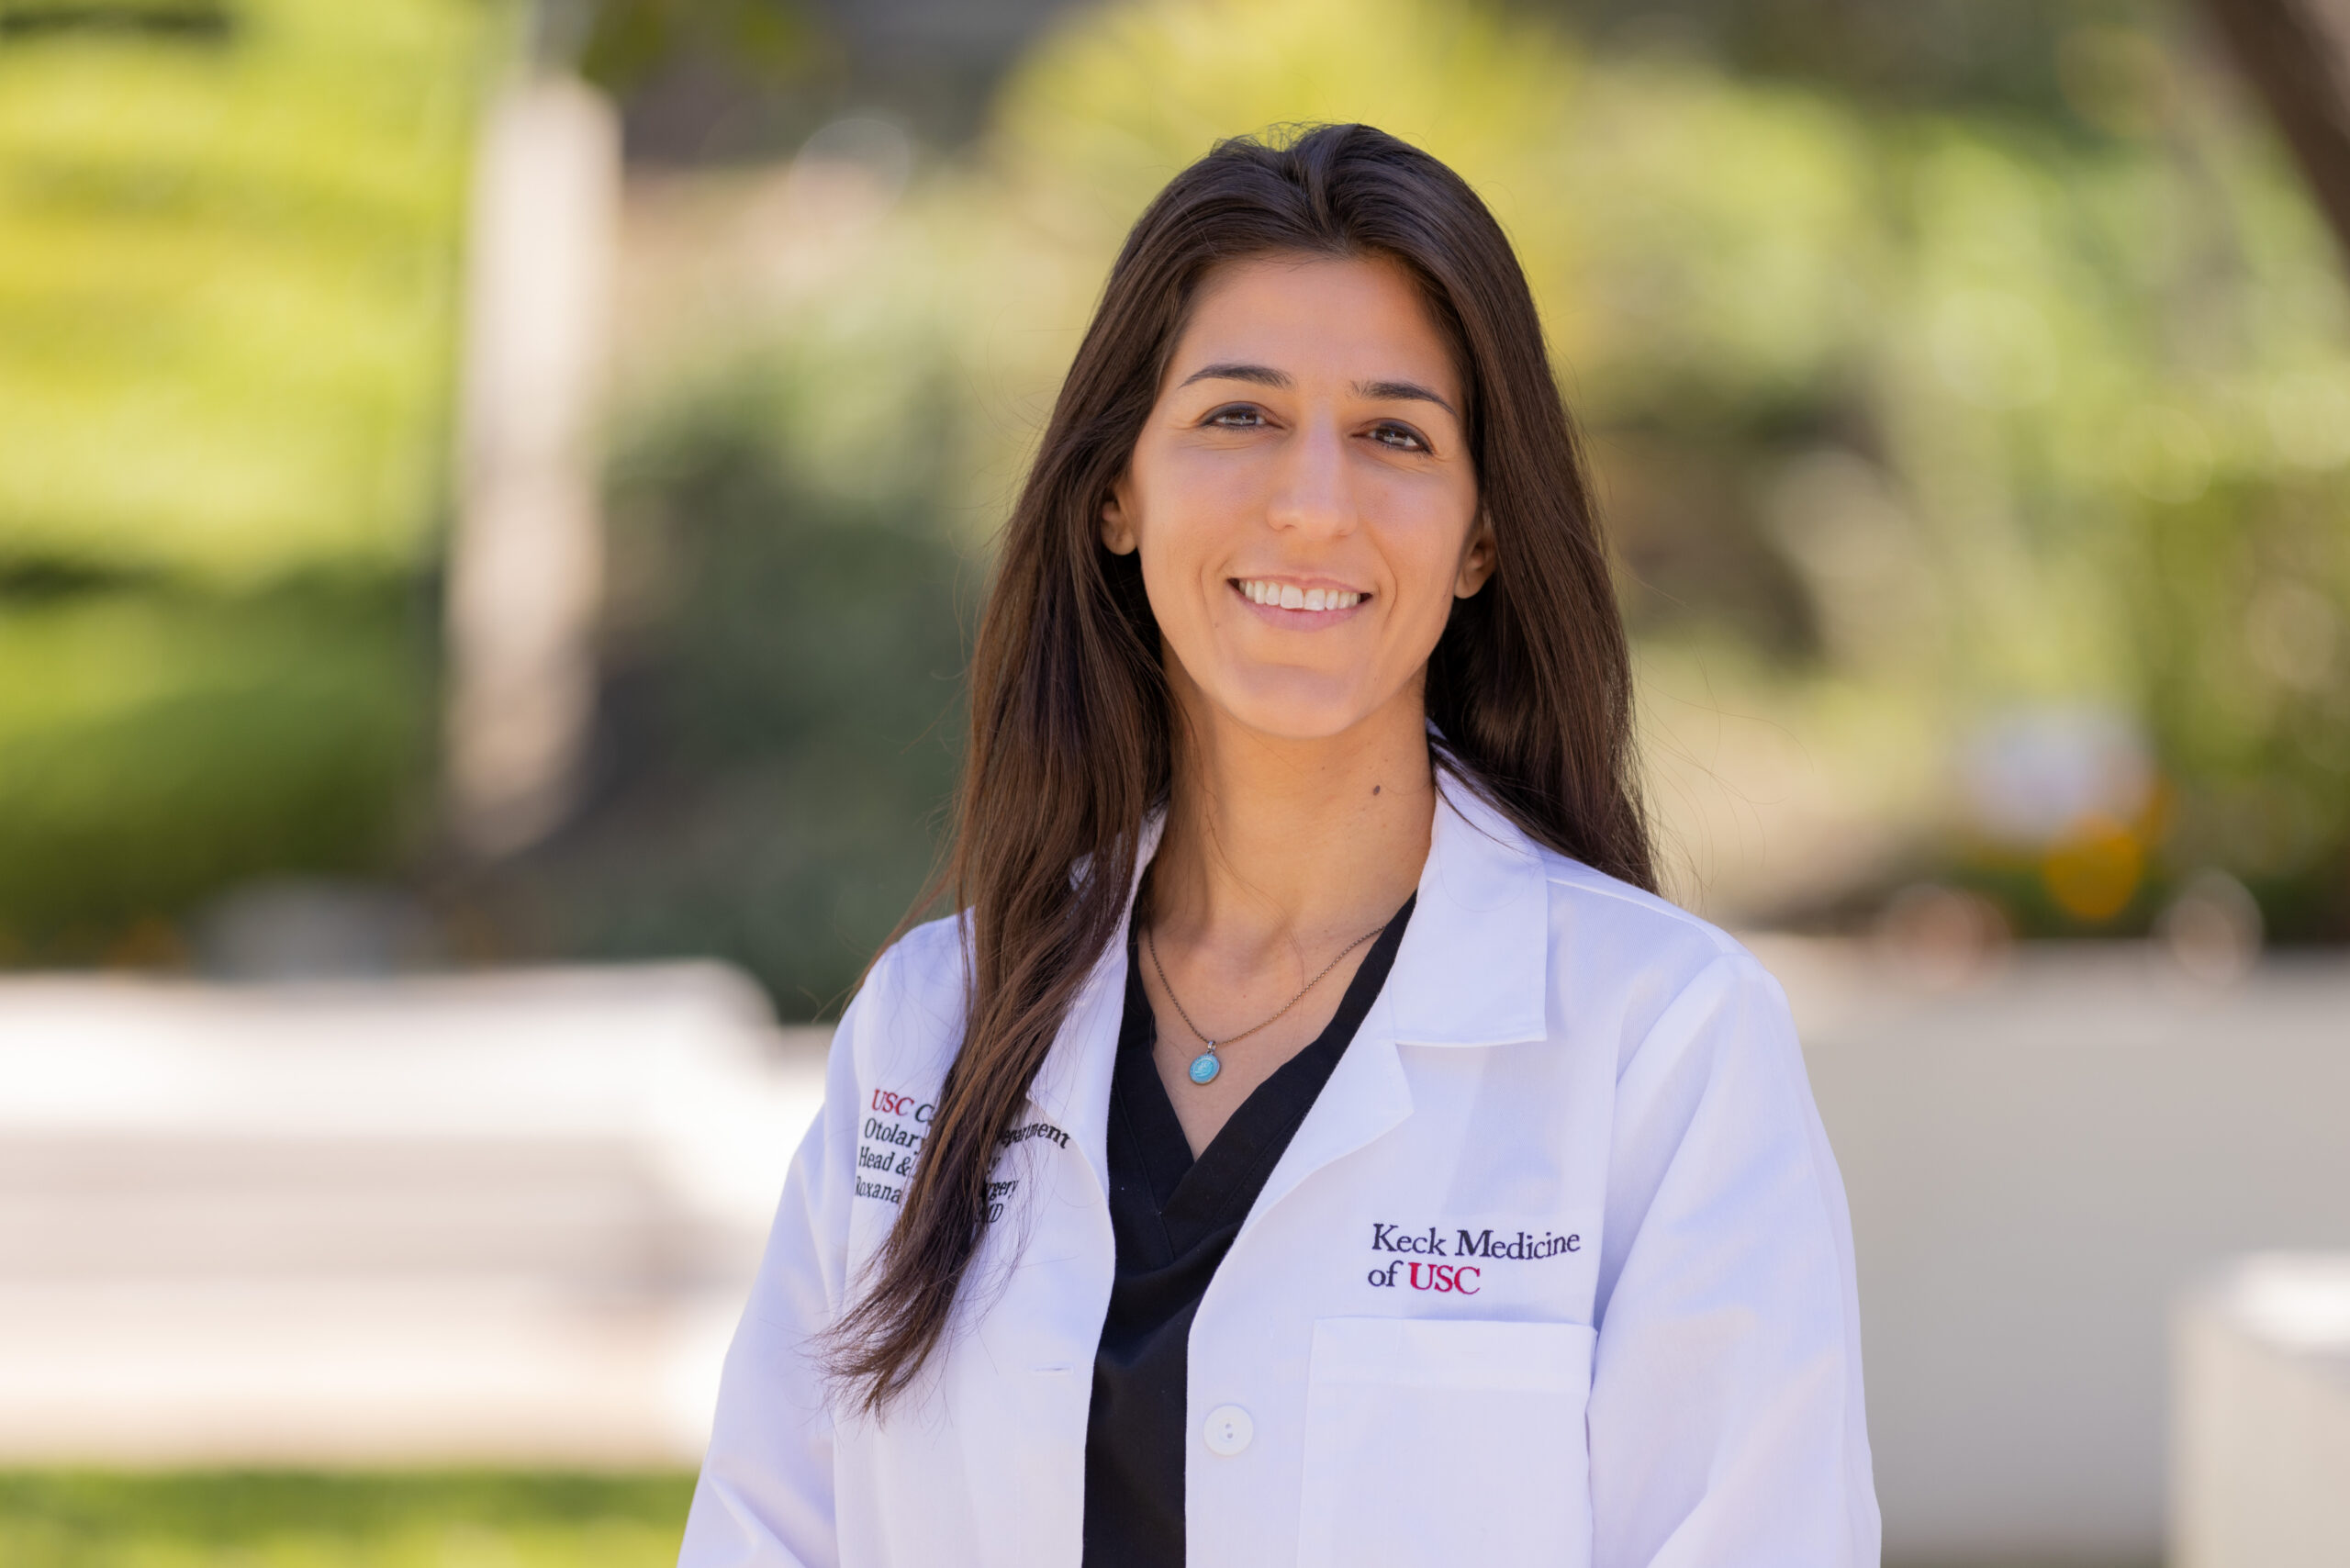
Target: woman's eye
[1403, 438]
[1238, 417]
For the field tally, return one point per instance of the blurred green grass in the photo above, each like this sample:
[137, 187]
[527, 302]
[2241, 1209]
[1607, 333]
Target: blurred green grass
[427, 1520]
[424, 1519]
[297, 1520]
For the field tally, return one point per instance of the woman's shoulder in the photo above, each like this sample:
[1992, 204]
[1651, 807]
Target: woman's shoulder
[1647, 925]
[930, 956]
[1657, 958]
[907, 1018]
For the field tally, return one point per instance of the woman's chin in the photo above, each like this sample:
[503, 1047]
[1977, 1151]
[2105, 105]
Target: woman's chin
[1290, 709]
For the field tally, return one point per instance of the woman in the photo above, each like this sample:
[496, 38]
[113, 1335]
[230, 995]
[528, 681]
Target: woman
[1315, 1142]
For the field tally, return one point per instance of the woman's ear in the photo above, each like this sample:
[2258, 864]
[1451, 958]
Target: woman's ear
[1117, 522]
[1477, 559]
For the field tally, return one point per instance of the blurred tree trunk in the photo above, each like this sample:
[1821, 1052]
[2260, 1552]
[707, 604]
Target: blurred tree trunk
[2296, 53]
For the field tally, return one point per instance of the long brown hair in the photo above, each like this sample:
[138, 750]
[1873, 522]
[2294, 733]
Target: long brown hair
[1070, 744]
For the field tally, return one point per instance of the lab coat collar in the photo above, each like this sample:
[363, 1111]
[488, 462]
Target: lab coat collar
[1072, 1088]
[1473, 969]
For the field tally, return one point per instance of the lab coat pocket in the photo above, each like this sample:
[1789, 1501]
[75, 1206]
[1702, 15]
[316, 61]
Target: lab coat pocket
[1446, 1440]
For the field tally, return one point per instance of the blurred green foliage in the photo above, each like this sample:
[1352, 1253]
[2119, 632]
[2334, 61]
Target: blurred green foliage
[156, 745]
[782, 714]
[1914, 410]
[228, 244]
[627, 43]
[1942, 361]
[293, 1520]
[226, 290]
[2002, 56]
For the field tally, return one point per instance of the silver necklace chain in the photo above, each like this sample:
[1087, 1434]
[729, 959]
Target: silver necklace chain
[1150, 939]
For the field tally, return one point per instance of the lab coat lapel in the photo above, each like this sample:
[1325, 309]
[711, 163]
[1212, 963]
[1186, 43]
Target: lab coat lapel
[1024, 1385]
[1474, 966]
[1366, 1097]
[1473, 970]
[1073, 1088]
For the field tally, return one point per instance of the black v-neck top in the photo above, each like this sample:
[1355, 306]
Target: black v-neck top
[1173, 1217]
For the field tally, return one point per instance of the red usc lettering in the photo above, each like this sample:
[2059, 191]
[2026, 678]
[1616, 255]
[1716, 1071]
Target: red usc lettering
[1445, 1277]
[893, 1104]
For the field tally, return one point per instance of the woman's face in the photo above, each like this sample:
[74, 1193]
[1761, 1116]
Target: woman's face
[1302, 496]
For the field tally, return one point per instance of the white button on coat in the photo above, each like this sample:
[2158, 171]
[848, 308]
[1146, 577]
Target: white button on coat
[1229, 1430]
[1557, 1269]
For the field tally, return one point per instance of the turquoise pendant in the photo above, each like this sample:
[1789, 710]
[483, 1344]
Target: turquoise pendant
[1205, 1067]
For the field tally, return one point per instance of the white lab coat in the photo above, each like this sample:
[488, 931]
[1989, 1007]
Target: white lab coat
[1556, 1270]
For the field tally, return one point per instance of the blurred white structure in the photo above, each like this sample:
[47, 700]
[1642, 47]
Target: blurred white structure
[2260, 1449]
[511, 1217]
[526, 564]
[499, 1218]
[2039, 1161]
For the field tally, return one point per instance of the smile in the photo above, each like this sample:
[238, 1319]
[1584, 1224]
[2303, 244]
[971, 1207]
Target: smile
[1276, 594]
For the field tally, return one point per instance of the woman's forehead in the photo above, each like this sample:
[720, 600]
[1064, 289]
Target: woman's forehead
[1317, 318]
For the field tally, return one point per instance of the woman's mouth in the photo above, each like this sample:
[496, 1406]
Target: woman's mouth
[1275, 594]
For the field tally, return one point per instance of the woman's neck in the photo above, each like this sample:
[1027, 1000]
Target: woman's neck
[1276, 844]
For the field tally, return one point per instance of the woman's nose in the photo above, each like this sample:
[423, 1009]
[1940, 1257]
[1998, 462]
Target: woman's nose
[1313, 493]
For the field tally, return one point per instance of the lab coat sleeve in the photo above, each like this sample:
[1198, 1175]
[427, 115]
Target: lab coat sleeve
[1726, 1424]
[765, 1499]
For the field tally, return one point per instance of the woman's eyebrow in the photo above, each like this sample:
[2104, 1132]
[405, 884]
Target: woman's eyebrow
[1407, 391]
[1266, 375]
[1258, 374]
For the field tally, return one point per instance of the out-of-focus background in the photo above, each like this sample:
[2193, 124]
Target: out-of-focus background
[492, 502]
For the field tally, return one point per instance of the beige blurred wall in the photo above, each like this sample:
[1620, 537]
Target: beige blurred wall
[2260, 1441]
[2039, 1163]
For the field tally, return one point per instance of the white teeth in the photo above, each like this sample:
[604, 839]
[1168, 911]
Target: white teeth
[1287, 596]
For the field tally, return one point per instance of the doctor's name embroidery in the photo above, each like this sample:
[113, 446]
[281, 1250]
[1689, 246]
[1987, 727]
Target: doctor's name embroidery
[891, 1139]
[1415, 1267]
